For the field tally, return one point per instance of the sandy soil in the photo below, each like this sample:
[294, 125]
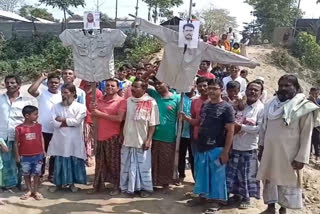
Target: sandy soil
[170, 202]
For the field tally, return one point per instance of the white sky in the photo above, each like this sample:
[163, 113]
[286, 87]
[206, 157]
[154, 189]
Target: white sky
[236, 7]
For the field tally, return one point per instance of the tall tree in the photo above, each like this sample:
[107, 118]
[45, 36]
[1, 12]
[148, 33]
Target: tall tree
[10, 5]
[28, 11]
[274, 13]
[156, 5]
[216, 20]
[63, 5]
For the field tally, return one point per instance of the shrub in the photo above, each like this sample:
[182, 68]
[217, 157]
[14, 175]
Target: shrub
[307, 50]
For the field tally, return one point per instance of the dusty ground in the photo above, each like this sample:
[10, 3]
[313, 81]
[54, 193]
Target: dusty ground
[171, 202]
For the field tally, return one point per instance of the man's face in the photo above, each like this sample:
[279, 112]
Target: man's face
[11, 85]
[53, 84]
[140, 73]
[202, 88]
[68, 76]
[234, 71]
[253, 93]
[137, 90]
[214, 92]
[67, 97]
[315, 94]
[188, 33]
[286, 90]
[111, 88]
[244, 75]
[160, 87]
[90, 18]
[204, 66]
[123, 74]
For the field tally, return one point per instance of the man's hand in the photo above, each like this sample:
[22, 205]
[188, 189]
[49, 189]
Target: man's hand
[95, 112]
[44, 76]
[18, 159]
[182, 115]
[297, 165]
[147, 145]
[237, 128]
[224, 157]
[60, 119]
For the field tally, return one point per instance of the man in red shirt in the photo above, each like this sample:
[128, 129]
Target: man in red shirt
[204, 70]
[30, 151]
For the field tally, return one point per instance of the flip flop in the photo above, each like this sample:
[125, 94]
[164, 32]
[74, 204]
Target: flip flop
[26, 196]
[245, 205]
[195, 202]
[144, 194]
[114, 192]
[212, 211]
[38, 196]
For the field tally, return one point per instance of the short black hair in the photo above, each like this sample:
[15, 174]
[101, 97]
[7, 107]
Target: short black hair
[29, 109]
[113, 80]
[128, 66]
[215, 81]
[202, 79]
[233, 84]
[188, 25]
[243, 71]
[53, 76]
[71, 87]
[314, 89]
[207, 62]
[258, 82]
[11, 76]
[144, 83]
[236, 43]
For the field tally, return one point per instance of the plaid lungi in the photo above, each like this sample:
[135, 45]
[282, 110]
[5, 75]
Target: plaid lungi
[241, 174]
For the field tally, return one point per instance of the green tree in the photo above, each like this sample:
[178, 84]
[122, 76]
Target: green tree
[216, 20]
[162, 5]
[63, 5]
[28, 11]
[274, 13]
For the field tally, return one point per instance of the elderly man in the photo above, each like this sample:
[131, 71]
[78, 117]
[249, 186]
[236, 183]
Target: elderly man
[235, 76]
[285, 141]
[12, 103]
[243, 164]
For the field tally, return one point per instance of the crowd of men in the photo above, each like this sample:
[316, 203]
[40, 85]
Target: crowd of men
[234, 138]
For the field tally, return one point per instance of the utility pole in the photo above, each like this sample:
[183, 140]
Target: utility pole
[190, 10]
[97, 5]
[116, 16]
[137, 7]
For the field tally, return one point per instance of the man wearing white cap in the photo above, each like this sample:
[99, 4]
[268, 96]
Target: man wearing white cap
[264, 95]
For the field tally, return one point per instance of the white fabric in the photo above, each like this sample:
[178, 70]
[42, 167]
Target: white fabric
[68, 141]
[276, 109]
[177, 68]
[239, 79]
[93, 54]
[247, 139]
[46, 100]
[136, 131]
[11, 115]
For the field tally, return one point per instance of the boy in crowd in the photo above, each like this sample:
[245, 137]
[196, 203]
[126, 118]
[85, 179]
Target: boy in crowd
[315, 139]
[30, 151]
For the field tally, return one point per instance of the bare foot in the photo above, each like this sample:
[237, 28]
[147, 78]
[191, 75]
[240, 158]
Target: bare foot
[26, 195]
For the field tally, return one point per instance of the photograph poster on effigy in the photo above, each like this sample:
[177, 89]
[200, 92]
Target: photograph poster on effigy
[91, 20]
[189, 34]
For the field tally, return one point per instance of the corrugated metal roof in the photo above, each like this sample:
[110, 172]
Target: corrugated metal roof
[12, 16]
[39, 20]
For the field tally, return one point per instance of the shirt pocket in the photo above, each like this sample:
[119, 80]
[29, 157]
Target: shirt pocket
[102, 48]
[82, 49]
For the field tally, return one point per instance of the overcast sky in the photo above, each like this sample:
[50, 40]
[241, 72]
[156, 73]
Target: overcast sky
[236, 7]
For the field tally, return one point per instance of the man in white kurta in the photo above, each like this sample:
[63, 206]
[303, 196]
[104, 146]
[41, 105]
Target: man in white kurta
[67, 143]
[285, 141]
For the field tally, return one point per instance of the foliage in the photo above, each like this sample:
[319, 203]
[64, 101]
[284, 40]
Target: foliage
[274, 13]
[10, 5]
[135, 49]
[162, 5]
[28, 11]
[28, 57]
[216, 20]
[307, 50]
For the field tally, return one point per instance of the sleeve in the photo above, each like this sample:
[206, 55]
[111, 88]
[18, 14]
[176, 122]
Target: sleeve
[152, 92]
[263, 127]
[154, 119]
[82, 97]
[164, 34]
[66, 38]
[79, 117]
[306, 124]
[254, 129]
[119, 38]
[53, 121]
[123, 106]
[218, 55]
[193, 113]
[229, 114]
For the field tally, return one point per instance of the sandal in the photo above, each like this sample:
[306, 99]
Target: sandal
[211, 211]
[196, 202]
[234, 199]
[144, 194]
[114, 192]
[73, 188]
[38, 196]
[26, 196]
[245, 205]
